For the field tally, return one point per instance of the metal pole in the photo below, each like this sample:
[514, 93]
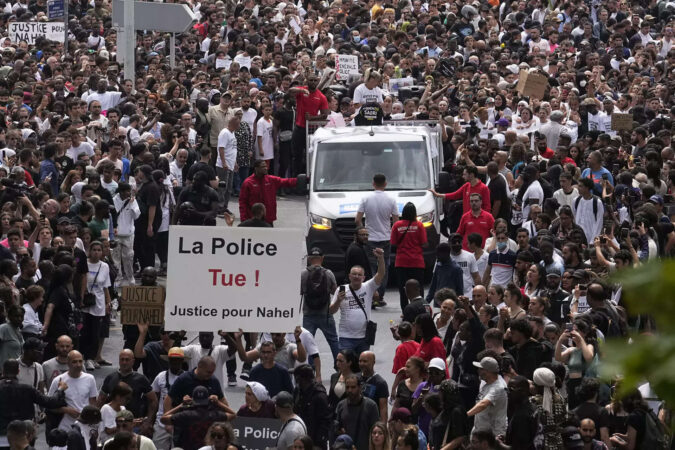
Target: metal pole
[65, 27]
[172, 50]
[129, 40]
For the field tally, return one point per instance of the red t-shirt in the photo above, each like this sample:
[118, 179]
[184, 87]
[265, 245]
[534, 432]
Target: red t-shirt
[548, 154]
[403, 352]
[464, 193]
[432, 349]
[312, 104]
[409, 243]
[472, 224]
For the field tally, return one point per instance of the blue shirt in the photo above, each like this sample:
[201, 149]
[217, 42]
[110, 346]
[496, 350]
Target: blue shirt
[446, 275]
[596, 176]
[47, 167]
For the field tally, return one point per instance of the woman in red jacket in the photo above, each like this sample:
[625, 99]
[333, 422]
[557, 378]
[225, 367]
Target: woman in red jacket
[409, 237]
[431, 345]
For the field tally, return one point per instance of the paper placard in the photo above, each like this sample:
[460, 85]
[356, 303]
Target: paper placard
[142, 304]
[230, 278]
[532, 84]
[621, 122]
[30, 31]
[294, 25]
[396, 83]
[346, 65]
[223, 63]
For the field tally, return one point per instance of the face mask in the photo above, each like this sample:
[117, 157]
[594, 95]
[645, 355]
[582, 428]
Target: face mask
[357, 39]
[501, 246]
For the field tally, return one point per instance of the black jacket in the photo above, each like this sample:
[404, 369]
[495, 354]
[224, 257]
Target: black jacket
[19, 402]
[312, 407]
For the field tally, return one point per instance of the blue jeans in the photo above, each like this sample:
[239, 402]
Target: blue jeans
[359, 345]
[325, 323]
[239, 177]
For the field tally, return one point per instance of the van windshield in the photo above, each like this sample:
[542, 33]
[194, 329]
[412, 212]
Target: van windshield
[351, 166]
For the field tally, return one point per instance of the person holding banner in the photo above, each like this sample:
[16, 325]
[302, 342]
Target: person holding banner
[355, 312]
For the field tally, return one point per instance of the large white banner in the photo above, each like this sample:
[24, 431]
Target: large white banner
[30, 31]
[222, 278]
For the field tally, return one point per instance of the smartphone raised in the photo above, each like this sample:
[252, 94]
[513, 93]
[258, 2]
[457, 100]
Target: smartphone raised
[342, 288]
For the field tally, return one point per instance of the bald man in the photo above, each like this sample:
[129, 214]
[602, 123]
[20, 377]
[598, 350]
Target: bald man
[80, 393]
[143, 402]
[374, 386]
[59, 364]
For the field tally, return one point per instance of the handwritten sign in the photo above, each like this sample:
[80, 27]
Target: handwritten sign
[31, 31]
[142, 304]
[532, 84]
[346, 65]
[621, 122]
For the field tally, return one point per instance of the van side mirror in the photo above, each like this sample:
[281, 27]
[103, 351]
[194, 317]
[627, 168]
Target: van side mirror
[443, 184]
[303, 182]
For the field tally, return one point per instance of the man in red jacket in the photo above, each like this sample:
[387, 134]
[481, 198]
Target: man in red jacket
[473, 185]
[476, 220]
[262, 188]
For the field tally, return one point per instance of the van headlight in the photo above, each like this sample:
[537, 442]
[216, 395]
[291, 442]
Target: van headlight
[320, 223]
[427, 219]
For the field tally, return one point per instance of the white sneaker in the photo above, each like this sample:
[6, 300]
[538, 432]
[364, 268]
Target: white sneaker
[89, 365]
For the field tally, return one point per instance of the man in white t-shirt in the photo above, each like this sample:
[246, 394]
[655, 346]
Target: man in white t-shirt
[219, 353]
[227, 158]
[265, 136]
[368, 92]
[381, 211]
[354, 301]
[80, 393]
[78, 146]
[161, 384]
[466, 261]
[490, 410]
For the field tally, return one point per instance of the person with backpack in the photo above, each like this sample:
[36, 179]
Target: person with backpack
[588, 210]
[317, 285]
[645, 430]
[603, 314]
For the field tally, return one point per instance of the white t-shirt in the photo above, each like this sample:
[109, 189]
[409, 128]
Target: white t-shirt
[79, 391]
[266, 132]
[193, 353]
[108, 99]
[108, 416]
[566, 199]
[378, 208]
[160, 387]
[228, 142]
[363, 95]
[31, 375]
[352, 319]
[306, 338]
[534, 190]
[96, 285]
[84, 147]
[467, 262]
[481, 263]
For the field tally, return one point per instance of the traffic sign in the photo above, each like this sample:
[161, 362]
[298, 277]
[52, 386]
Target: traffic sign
[56, 9]
[163, 17]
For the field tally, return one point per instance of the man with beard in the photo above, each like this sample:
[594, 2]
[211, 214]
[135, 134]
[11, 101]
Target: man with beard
[219, 353]
[356, 254]
[311, 404]
[162, 436]
[466, 261]
[559, 307]
[522, 427]
[587, 430]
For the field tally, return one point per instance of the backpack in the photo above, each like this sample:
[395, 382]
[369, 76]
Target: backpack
[595, 205]
[656, 436]
[316, 289]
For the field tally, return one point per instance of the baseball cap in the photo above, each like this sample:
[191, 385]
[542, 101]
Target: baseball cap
[344, 441]
[402, 414]
[63, 221]
[200, 396]
[283, 400]
[503, 122]
[32, 343]
[437, 363]
[315, 251]
[487, 363]
[553, 272]
[579, 273]
[176, 352]
[656, 199]
[571, 438]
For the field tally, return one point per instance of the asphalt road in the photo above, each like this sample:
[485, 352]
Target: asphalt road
[292, 213]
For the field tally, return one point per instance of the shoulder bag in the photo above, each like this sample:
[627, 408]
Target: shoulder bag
[89, 298]
[371, 327]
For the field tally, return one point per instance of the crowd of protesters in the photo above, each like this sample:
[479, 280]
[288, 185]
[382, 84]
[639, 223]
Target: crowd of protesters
[550, 195]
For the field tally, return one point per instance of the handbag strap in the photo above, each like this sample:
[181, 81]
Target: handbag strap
[358, 302]
[403, 237]
[93, 283]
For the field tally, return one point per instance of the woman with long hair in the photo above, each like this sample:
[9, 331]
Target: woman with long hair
[536, 280]
[60, 308]
[379, 437]
[431, 345]
[415, 372]
[219, 436]
[580, 357]
[409, 237]
[346, 363]
[408, 439]
[450, 427]
[513, 298]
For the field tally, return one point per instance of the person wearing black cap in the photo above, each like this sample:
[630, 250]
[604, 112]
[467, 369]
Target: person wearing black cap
[147, 224]
[311, 404]
[293, 426]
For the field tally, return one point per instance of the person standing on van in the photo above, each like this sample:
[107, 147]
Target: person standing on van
[409, 237]
[380, 211]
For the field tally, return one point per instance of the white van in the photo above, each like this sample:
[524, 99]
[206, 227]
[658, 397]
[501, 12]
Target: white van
[342, 162]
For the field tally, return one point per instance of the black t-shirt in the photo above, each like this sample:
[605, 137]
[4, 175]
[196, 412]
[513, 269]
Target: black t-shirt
[414, 309]
[203, 200]
[138, 383]
[369, 114]
[375, 388]
[188, 381]
[81, 268]
[595, 412]
[521, 428]
[275, 379]
[455, 424]
[498, 192]
[63, 309]
[149, 195]
[153, 363]
[285, 118]
[638, 420]
[199, 165]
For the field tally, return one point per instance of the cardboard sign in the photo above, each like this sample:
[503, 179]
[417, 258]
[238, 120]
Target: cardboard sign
[229, 278]
[346, 65]
[532, 84]
[253, 433]
[621, 122]
[30, 31]
[142, 304]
